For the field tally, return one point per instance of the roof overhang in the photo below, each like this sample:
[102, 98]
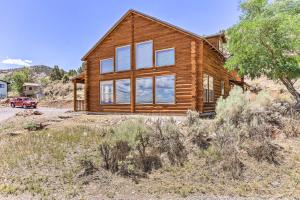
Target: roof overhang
[79, 78]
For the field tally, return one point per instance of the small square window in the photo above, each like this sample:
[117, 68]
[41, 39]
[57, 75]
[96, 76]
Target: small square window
[165, 57]
[106, 65]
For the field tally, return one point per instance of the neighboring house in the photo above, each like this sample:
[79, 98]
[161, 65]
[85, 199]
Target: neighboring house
[145, 65]
[3, 89]
[32, 90]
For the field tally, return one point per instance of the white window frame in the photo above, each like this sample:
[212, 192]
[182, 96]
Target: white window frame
[156, 51]
[113, 91]
[151, 52]
[174, 89]
[116, 63]
[112, 65]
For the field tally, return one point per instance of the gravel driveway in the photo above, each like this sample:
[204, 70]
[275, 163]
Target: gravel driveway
[8, 112]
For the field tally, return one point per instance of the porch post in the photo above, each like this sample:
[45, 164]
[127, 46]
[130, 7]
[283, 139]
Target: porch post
[75, 95]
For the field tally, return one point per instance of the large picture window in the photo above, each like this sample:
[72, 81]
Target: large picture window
[208, 86]
[123, 91]
[144, 90]
[144, 55]
[106, 65]
[165, 57]
[123, 58]
[106, 92]
[165, 89]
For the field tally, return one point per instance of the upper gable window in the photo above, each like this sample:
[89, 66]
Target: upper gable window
[165, 57]
[144, 55]
[123, 58]
[106, 65]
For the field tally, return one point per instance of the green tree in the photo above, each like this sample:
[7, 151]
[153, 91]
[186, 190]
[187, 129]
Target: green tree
[80, 68]
[72, 72]
[66, 78]
[266, 42]
[18, 78]
[56, 73]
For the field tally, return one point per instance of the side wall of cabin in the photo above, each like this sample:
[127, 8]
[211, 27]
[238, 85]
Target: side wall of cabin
[213, 65]
[134, 29]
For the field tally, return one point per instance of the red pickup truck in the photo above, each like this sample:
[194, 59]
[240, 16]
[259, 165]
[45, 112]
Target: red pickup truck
[24, 102]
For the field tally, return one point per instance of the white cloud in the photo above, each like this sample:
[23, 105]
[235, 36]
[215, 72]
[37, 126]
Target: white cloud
[11, 61]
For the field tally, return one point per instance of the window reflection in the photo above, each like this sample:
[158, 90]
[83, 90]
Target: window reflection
[165, 57]
[165, 89]
[106, 65]
[106, 92]
[144, 90]
[123, 91]
[123, 58]
[144, 54]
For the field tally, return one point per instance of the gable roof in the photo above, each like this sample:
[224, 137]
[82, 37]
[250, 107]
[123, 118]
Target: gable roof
[221, 35]
[131, 11]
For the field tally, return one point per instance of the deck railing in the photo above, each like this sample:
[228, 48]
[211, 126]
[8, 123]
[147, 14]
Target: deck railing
[80, 105]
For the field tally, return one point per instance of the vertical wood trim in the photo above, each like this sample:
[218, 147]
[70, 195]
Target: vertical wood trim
[86, 86]
[153, 90]
[75, 95]
[194, 78]
[133, 67]
[114, 92]
[200, 75]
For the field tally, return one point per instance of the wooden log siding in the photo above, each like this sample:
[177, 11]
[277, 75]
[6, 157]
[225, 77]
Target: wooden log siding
[192, 58]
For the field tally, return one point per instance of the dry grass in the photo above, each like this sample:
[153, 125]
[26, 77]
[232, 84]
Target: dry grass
[63, 161]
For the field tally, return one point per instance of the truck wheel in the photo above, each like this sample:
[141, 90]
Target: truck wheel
[12, 105]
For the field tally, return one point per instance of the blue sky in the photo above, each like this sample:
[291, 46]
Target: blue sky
[60, 32]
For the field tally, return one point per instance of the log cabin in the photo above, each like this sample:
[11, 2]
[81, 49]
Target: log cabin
[145, 65]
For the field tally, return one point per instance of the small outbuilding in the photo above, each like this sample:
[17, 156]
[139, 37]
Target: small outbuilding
[32, 90]
[3, 89]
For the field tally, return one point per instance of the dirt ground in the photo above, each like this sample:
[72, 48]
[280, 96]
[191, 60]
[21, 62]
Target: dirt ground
[8, 112]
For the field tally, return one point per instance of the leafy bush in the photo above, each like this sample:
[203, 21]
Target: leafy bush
[200, 133]
[243, 120]
[167, 138]
[192, 117]
[265, 151]
[33, 126]
[134, 147]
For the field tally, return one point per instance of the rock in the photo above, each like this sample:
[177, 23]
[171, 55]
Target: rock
[37, 112]
[275, 184]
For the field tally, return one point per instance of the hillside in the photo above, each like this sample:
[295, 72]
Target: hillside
[39, 69]
[56, 84]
